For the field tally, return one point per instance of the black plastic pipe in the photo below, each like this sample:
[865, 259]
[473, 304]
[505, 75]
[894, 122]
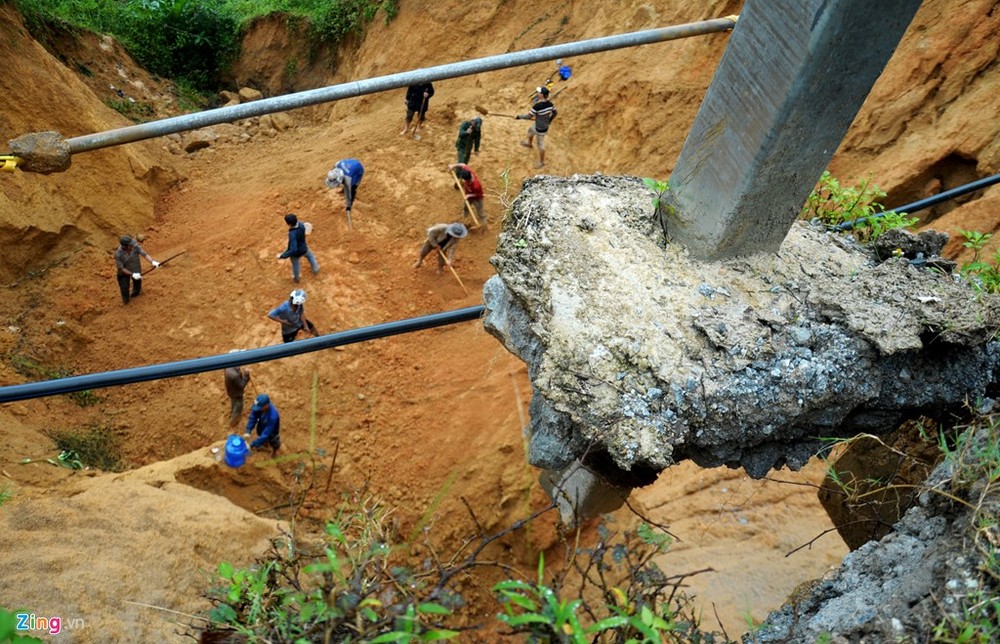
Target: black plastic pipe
[250, 356]
[929, 201]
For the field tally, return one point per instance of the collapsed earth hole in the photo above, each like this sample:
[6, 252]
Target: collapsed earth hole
[255, 489]
[949, 172]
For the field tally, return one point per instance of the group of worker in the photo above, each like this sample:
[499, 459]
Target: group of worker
[346, 176]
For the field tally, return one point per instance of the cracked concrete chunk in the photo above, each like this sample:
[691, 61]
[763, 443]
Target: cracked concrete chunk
[643, 356]
[41, 152]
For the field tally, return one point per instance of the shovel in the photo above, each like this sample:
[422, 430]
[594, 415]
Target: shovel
[485, 112]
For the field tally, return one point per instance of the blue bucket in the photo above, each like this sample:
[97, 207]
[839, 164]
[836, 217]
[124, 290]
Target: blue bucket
[236, 451]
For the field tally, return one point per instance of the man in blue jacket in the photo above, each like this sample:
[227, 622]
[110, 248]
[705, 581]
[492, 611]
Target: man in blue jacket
[265, 419]
[297, 248]
[347, 175]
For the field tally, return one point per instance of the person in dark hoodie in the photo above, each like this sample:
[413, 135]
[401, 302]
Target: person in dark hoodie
[417, 97]
[297, 248]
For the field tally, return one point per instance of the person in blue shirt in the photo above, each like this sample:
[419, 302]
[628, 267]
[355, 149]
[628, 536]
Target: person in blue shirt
[297, 248]
[346, 175]
[265, 419]
[291, 314]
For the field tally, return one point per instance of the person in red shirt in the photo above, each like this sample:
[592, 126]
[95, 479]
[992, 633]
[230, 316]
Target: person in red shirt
[472, 188]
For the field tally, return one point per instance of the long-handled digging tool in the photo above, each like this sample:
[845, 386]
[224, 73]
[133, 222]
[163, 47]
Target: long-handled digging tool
[175, 255]
[452, 269]
[420, 117]
[485, 112]
[468, 206]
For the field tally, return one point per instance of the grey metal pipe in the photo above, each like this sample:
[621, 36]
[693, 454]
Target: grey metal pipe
[392, 81]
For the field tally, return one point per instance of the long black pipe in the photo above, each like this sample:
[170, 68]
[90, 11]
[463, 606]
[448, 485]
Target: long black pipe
[250, 356]
[929, 201]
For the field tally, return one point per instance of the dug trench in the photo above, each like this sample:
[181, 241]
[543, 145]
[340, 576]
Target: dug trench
[428, 421]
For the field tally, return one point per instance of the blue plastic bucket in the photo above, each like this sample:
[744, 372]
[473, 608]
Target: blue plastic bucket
[236, 451]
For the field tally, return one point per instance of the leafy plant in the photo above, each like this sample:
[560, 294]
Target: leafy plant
[659, 189]
[984, 274]
[834, 203]
[617, 590]
[8, 628]
[6, 494]
[349, 589]
[358, 586]
[661, 209]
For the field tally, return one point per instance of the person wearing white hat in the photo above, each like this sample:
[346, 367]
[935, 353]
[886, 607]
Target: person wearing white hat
[346, 175]
[443, 237]
[291, 314]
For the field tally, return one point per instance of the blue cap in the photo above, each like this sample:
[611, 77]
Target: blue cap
[262, 400]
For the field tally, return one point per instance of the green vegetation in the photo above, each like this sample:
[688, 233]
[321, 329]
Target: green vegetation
[32, 369]
[6, 494]
[97, 446]
[834, 203]
[659, 189]
[617, 590]
[195, 40]
[662, 210]
[969, 606]
[8, 628]
[137, 111]
[983, 274]
[975, 482]
[357, 585]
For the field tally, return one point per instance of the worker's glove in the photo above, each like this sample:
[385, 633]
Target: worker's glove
[137, 276]
[155, 263]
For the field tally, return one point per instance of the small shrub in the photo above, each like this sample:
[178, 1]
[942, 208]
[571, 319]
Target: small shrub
[358, 586]
[353, 588]
[136, 111]
[834, 203]
[983, 274]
